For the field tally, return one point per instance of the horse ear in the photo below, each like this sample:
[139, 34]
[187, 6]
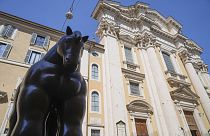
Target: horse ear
[68, 31]
[85, 38]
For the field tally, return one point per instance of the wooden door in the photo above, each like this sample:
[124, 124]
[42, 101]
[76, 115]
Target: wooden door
[191, 123]
[141, 127]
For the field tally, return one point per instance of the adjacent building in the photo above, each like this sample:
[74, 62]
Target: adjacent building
[144, 77]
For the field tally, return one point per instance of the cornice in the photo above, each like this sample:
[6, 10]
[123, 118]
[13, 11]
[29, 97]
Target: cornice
[5, 17]
[192, 46]
[127, 38]
[132, 14]
[167, 21]
[133, 75]
[92, 45]
[174, 38]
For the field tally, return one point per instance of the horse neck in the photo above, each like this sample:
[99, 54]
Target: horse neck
[53, 57]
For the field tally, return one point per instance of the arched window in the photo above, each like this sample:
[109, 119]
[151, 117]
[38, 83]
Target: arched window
[95, 101]
[94, 71]
[168, 62]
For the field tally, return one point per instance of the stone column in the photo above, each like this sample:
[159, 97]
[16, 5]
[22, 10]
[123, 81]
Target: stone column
[167, 105]
[165, 98]
[116, 106]
[196, 82]
[153, 93]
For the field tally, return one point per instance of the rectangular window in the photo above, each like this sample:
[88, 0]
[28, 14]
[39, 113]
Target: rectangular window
[141, 127]
[134, 88]
[168, 62]
[4, 50]
[128, 54]
[39, 40]
[95, 132]
[32, 57]
[94, 72]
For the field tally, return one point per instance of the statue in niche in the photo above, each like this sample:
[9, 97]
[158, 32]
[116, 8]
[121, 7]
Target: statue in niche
[51, 99]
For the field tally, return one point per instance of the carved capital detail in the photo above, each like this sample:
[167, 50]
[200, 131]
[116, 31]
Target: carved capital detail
[184, 55]
[145, 40]
[187, 57]
[107, 28]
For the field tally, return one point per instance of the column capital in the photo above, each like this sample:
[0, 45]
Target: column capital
[107, 28]
[145, 40]
[184, 55]
[197, 63]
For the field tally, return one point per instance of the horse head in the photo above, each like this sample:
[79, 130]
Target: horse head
[70, 48]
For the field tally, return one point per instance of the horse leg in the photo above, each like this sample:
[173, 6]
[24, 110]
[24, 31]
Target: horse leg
[52, 122]
[32, 109]
[13, 116]
[71, 116]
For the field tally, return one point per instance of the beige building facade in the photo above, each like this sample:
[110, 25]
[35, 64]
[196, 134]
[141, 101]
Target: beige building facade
[144, 77]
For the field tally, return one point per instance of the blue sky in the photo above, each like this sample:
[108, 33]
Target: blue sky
[194, 15]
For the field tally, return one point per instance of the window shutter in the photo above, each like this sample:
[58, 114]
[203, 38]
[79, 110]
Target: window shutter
[33, 38]
[14, 34]
[10, 31]
[4, 31]
[42, 55]
[46, 42]
[27, 56]
[6, 51]
[1, 29]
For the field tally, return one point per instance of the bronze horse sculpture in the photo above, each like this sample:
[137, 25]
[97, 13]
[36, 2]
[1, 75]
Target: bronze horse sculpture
[51, 99]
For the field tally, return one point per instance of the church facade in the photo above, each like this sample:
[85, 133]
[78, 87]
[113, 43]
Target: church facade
[144, 77]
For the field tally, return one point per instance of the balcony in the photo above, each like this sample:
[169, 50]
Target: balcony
[130, 65]
[176, 80]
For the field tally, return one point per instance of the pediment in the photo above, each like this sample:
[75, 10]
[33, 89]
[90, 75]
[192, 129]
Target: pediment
[139, 106]
[184, 94]
[133, 75]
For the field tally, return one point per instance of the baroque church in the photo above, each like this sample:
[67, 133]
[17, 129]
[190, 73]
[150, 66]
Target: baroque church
[144, 77]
